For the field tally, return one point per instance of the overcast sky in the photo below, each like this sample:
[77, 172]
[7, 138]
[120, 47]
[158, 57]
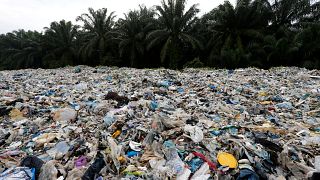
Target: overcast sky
[36, 14]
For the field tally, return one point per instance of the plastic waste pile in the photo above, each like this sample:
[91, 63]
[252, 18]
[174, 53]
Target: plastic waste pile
[122, 123]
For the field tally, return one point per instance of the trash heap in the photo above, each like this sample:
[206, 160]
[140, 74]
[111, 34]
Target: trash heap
[123, 123]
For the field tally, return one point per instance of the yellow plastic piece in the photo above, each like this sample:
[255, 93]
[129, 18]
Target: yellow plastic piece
[226, 159]
[116, 134]
[121, 159]
[265, 102]
[263, 93]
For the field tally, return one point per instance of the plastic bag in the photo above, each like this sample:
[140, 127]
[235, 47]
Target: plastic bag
[115, 152]
[59, 150]
[195, 132]
[21, 173]
[173, 159]
[64, 115]
[202, 173]
[135, 146]
[48, 171]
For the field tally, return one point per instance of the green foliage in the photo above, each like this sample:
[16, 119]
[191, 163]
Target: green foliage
[308, 42]
[59, 42]
[173, 31]
[20, 49]
[131, 34]
[261, 33]
[97, 34]
[196, 63]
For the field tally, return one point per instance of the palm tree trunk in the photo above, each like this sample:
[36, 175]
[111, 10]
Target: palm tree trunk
[174, 55]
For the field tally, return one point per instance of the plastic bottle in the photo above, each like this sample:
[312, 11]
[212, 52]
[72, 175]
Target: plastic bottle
[180, 90]
[153, 105]
[77, 70]
[109, 119]
[173, 159]
[165, 83]
[317, 163]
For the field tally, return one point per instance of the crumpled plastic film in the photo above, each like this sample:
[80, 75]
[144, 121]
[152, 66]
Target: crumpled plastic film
[113, 123]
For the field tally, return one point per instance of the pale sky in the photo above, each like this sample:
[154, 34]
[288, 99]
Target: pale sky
[36, 14]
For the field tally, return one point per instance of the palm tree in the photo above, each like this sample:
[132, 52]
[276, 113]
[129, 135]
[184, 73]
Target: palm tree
[308, 41]
[280, 51]
[173, 31]
[21, 49]
[97, 33]
[234, 28]
[315, 12]
[59, 42]
[131, 34]
[289, 13]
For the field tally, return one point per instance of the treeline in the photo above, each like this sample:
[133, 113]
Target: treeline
[258, 33]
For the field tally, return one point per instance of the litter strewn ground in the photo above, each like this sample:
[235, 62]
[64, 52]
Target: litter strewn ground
[113, 123]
